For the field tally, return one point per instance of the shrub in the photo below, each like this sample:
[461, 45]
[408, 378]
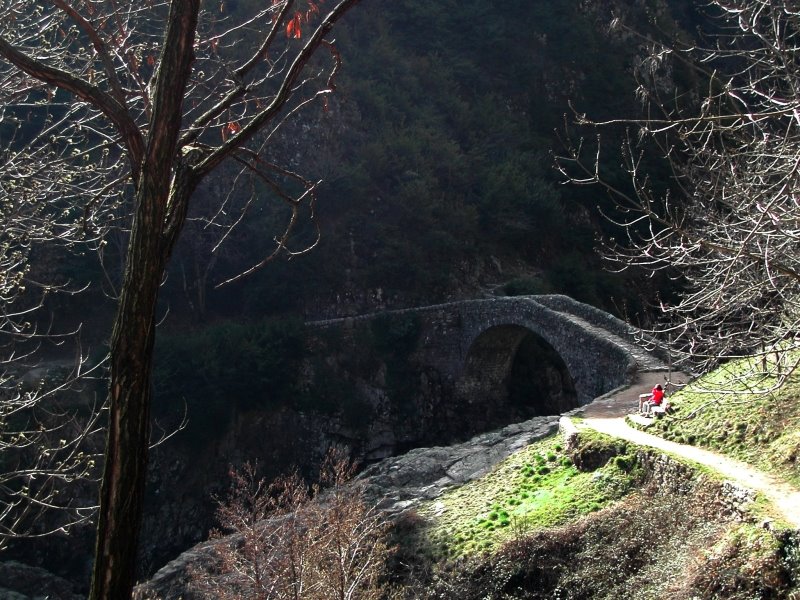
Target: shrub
[292, 537]
[224, 368]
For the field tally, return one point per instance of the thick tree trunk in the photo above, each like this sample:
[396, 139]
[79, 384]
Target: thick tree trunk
[162, 197]
[122, 492]
[132, 341]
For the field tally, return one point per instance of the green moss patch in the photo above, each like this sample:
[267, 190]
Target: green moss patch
[536, 488]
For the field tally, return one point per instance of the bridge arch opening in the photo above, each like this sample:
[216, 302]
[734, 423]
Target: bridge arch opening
[511, 366]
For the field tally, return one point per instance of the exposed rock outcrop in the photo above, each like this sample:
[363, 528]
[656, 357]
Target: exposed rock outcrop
[396, 485]
[402, 482]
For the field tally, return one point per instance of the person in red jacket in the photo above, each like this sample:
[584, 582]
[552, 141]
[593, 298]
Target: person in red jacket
[654, 398]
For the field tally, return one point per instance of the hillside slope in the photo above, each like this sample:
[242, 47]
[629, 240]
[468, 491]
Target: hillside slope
[614, 521]
[436, 167]
[658, 528]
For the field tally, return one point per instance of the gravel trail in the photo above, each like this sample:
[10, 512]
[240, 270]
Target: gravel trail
[782, 495]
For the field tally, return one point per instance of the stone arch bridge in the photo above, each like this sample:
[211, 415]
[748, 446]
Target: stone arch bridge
[456, 368]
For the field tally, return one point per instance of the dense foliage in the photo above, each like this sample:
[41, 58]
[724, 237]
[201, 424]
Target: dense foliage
[230, 367]
[435, 161]
[436, 166]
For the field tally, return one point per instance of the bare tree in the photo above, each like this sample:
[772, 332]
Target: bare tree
[148, 99]
[262, 550]
[44, 439]
[47, 451]
[286, 541]
[352, 548]
[727, 228]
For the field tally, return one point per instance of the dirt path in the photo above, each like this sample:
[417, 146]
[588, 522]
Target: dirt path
[607, 415]
[782, 495]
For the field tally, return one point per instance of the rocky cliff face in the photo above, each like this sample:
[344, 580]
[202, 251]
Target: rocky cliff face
[22, 582]
[395, 484]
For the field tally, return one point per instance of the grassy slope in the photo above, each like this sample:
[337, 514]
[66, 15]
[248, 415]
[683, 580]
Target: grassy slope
[540, 527]
[762, 429]
[535, 488]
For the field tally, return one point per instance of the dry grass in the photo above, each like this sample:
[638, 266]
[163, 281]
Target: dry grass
[591, 533]
[645, 547]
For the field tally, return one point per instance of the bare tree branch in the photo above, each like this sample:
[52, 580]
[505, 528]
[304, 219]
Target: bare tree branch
[728, 228]
[116, 112]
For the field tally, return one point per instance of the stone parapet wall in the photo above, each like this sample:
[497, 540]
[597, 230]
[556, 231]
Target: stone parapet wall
[606, 321]
[669, 475]
[593, 315]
